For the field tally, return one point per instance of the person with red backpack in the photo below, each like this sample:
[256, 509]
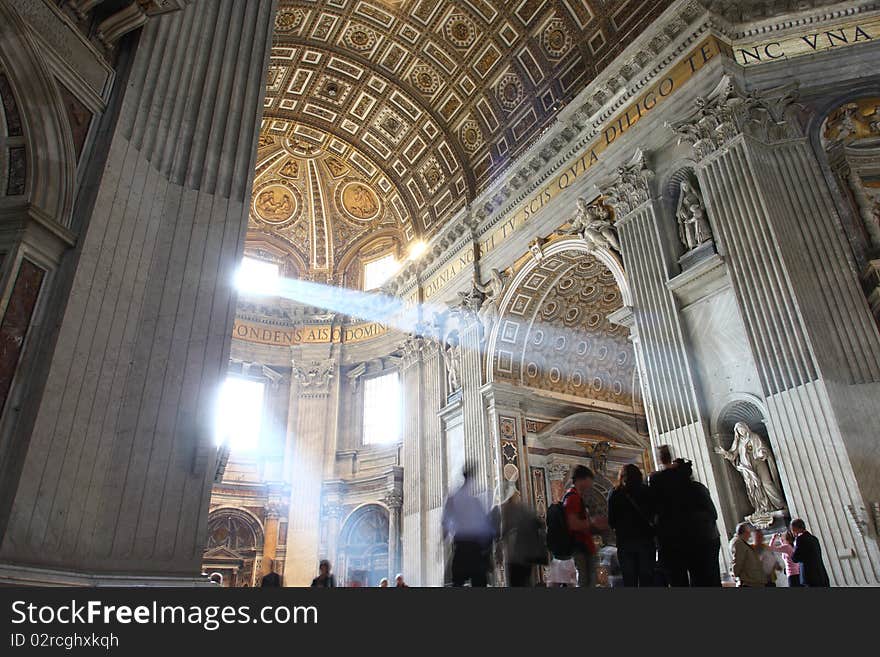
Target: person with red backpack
[570, 527]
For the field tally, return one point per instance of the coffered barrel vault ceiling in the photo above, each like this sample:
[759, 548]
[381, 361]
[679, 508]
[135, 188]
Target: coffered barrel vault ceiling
[440, 96]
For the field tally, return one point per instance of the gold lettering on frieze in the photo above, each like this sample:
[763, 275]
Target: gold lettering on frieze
[307, 334]
[834, 37]
[615, 128]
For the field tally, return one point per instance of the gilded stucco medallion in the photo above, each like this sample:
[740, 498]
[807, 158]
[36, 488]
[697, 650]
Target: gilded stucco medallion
[276, 204]
[360, 202]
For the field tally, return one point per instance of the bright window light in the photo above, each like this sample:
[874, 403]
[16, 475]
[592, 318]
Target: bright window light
[377, 272]
[240, 414]
[382, 410]
[257, 276]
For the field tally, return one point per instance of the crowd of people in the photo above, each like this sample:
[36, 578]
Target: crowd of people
[665, 526]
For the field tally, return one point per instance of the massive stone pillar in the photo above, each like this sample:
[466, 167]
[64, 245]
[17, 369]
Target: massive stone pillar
[435, 464]
[423, 461]
[666, 375]
[414, 563]
[478, 444]
[809, 328]
[117, 470]
[316, 384]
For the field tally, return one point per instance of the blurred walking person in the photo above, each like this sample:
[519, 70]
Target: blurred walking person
[522, 538]
[467, 523]
[769, 561]
[270, 579]
[324, 580]
[630, 513]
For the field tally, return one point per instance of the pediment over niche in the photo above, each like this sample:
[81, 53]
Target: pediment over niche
[222, 554]
[592, 426]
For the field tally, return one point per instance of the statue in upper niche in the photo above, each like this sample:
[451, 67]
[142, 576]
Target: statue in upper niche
[492, 292]
[693, 227]
[593, 224]
[751, 456]
[452, 359]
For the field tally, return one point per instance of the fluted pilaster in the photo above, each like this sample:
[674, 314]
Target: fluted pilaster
[671, 400]
[315, 382]
[813, 338]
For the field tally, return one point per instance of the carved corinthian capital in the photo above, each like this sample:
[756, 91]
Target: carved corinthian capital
[412, 350]
[629, 187]
[728, 112]
[314, 376]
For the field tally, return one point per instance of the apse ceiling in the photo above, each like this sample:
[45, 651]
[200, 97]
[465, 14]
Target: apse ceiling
[425, 101]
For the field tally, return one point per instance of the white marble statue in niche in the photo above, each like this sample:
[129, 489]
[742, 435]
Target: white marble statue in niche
[751, 456]
[593, 224]
[693, 226]
[492, 291]
[452, 359]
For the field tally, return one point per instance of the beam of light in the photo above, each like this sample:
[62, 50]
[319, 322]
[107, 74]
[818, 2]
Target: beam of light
[393, 312]
[384, 309]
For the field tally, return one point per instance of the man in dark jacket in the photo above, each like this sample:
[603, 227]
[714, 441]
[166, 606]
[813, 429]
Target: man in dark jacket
[808, 553]
[687, 531]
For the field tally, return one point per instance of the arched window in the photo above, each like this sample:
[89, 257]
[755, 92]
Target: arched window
[378, 271]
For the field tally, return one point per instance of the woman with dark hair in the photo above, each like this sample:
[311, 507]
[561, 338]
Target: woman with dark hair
[630, 511]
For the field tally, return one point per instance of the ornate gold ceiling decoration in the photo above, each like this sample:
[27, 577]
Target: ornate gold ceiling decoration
[556, 334]
[441, 95]
[316, 199]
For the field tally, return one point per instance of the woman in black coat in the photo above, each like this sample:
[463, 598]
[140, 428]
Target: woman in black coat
[630, 511]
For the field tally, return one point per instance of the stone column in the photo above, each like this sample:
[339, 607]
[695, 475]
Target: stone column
[666, 374]
[423, 459]
[435, 460]
[314, 381]
[117, 468]
[478, 444]
[332, 516]
[394, 502]
[414, 522]
[811, 333]
[270, 543]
